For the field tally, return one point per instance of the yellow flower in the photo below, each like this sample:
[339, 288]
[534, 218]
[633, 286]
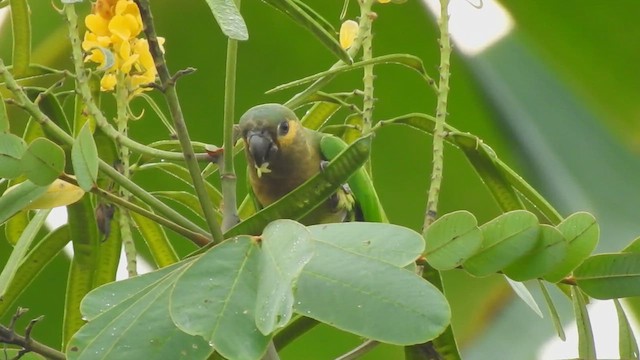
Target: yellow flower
[348, 32]
[108, 82]
[104, 8]
[113, 28]
[97, 24]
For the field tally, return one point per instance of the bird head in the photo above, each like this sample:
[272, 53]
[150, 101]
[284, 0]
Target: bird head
[267, 130]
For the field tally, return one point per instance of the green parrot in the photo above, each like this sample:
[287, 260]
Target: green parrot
[281, 155]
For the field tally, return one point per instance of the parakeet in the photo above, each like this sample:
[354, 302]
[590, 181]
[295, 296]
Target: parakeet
[282, 154]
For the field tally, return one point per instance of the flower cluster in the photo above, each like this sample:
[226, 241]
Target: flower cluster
[111, 40]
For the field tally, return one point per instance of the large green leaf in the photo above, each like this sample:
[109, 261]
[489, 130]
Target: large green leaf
[106, 297]
[390, 243]
[222, 310]
[139, 327]
[505, 239]
[286, 249]
[369, 297]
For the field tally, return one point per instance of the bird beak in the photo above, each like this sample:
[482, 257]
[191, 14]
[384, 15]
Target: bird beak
[261, 147]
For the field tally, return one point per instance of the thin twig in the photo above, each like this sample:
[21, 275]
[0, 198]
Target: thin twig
[28, 344]
[178, 120]
[441, 115]
[196, 238]
[445, 343]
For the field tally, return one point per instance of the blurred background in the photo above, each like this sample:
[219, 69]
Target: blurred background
[553, 90]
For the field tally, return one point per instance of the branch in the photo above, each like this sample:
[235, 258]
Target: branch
[228, 173]
[178, 120]
[441, 115]
[9, 336]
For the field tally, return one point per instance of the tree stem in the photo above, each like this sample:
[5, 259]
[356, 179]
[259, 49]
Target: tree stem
[171, 95]
[227, 173]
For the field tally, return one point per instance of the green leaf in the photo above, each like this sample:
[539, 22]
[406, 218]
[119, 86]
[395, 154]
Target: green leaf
[20, 19]
[156, 239]
[582, 232]
[586, 344]
[4, 119]
[505, 239]
[286, 249]
[106, 297]
[222, 311]
[307, 21]
[557, 323]
[354, 126]
[396, 245]
[634, 247]
[32, 72]
[18, 197]
[12, 148]
[610, 276]
[484, 161]
[229, 19]
[139, 327]
[186, 199]
[452, 239]
[319, 114]
[32, 264]
[628, 347]
[316, 16]
[20, 250]
[410, 61]
[15, 226]
[43, 161]
[84, 156]
[50, 105]
[299, 202]
[369, 297]
[525, 295]
[182, 174]
[84, 236]
[550, 250]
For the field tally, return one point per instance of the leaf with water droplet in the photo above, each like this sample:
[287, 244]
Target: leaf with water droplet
[286, 249]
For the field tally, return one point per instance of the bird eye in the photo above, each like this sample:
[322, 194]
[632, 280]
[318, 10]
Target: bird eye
[283, 128]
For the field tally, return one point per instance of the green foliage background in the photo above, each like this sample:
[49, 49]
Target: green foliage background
[585, 143]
